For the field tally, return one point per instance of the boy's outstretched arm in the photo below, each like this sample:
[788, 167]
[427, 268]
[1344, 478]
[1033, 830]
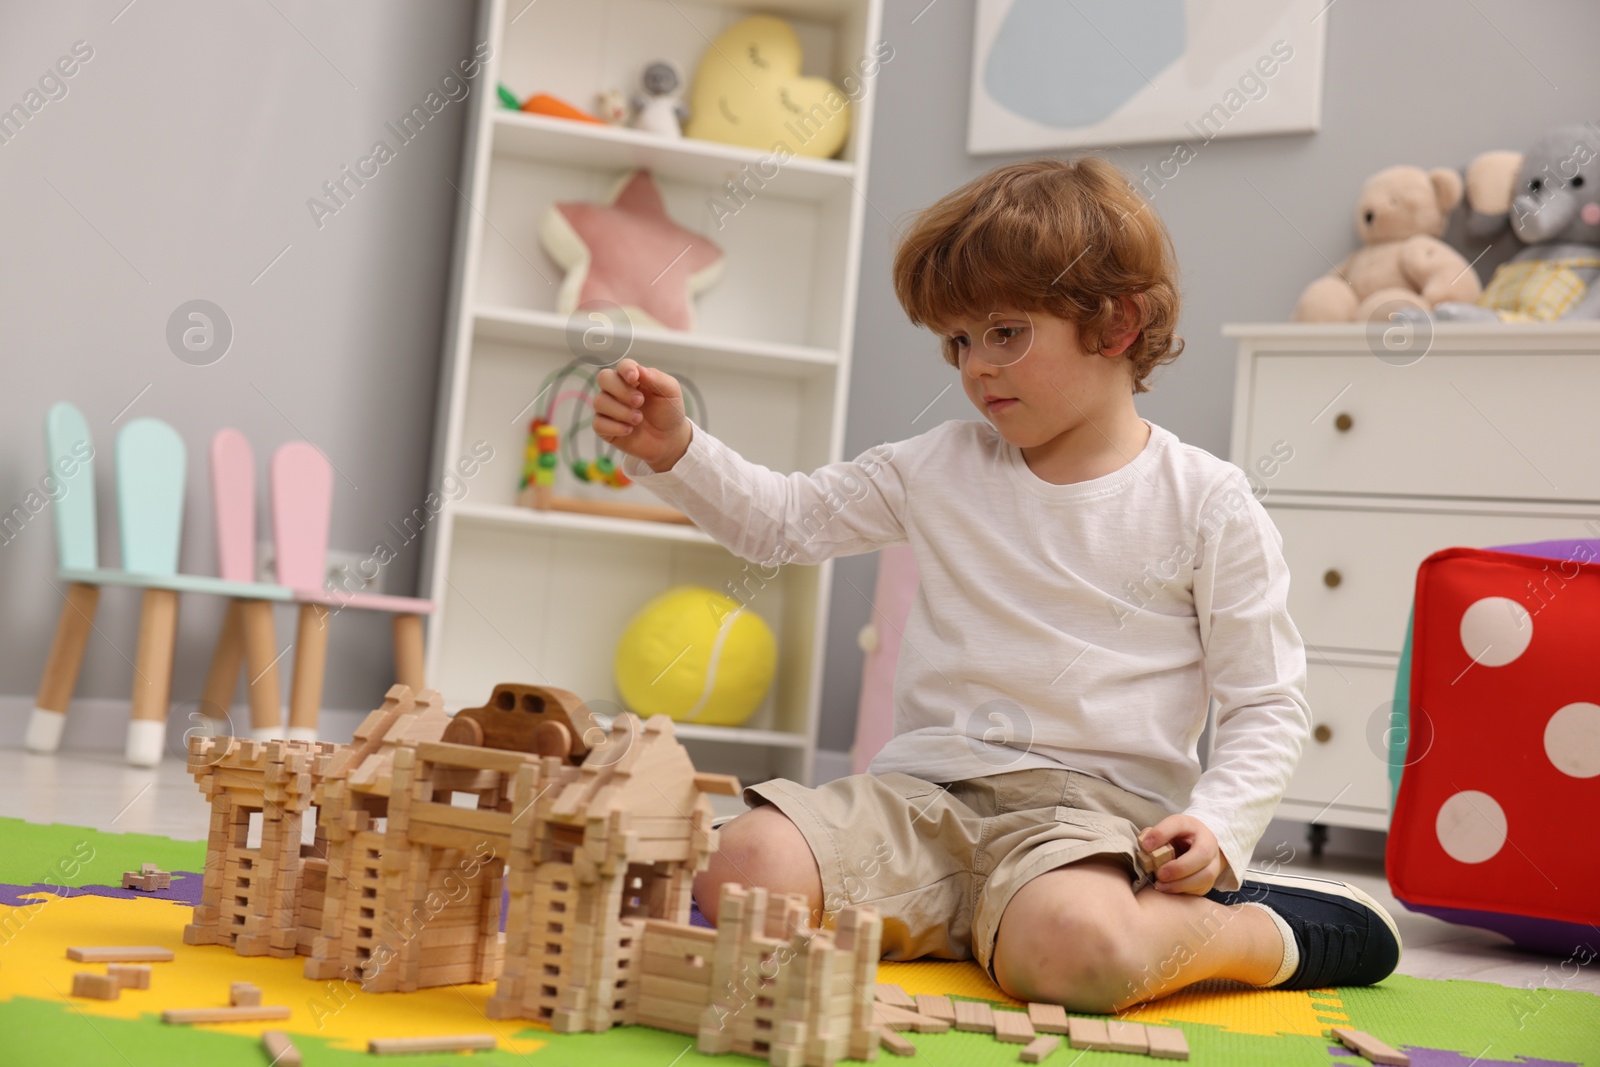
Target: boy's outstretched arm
[759, 514]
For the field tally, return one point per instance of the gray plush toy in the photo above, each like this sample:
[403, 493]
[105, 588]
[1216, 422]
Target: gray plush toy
[1551, 197]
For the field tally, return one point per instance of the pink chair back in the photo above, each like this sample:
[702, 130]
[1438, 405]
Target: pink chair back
[302, 514]
[233, 493]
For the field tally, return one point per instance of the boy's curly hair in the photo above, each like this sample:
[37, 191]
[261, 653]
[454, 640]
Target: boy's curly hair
[1063, 237]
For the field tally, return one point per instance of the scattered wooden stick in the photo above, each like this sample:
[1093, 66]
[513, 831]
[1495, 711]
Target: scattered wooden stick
[280, 1048]
[1364, 1043]
[186, 1016]
[120, 954]
[389, 1046]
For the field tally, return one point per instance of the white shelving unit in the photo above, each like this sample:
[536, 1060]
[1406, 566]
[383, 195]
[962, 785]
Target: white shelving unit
[542, 597]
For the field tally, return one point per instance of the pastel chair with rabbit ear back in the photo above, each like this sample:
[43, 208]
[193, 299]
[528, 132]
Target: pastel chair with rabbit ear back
[70, 451]
[248, 635]
[302, 514]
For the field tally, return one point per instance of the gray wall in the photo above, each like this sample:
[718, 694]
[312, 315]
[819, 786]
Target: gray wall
[178, 166]
[1430, 83]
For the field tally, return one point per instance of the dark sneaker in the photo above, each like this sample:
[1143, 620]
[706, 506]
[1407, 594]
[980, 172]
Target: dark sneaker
[1344, 936]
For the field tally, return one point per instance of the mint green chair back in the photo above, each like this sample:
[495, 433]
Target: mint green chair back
[150, 483]
[70, 450]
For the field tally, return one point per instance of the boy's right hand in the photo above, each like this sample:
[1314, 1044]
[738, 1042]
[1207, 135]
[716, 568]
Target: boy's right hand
[640, 410]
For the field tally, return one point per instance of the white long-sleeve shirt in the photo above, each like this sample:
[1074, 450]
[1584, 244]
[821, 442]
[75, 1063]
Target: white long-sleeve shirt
[1083, 626]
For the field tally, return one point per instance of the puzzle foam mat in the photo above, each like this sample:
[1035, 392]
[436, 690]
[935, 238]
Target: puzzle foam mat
[58, 887]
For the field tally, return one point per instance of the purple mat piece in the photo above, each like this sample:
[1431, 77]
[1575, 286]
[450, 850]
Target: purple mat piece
[1438, 1057]
[185, 890]
[1550, 936]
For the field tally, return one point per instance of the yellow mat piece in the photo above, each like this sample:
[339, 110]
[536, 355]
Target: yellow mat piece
[34, 947]
[1225, 1005]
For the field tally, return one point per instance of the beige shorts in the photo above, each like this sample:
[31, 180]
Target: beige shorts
[940, 863]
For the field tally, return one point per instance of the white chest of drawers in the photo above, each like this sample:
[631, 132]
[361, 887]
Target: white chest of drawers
[1476, 435]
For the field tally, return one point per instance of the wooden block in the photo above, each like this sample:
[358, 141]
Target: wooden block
[1039, 1048]
[900, 1019]
[1152, 861]
[1048, 1018]
[1087, 1033]
[120, 954]
[1127, 1037]
[893, 994]
[244, 995]
[937, 1006]
[1167, 1042]
[895, 1042]
[97, 986]
[1370, 1047]
[280, 1048]
[1013, 1027]
[130, 975]
[223, 1015]
[389, 1046]
[975, 1016]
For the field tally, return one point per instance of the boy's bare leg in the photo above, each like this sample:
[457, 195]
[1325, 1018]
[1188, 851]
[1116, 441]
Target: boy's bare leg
[760, 848]
[1080, 937]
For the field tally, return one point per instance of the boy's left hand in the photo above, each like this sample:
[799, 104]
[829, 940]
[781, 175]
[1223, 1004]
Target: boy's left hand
[1198, 862]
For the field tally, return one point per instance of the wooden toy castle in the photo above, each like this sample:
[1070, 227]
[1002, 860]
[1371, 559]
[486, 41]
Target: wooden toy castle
[424, 819]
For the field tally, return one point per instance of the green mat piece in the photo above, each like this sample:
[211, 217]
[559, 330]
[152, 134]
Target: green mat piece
[56, 854]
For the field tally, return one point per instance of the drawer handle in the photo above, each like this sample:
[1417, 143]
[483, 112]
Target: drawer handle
[1331, 578]
[1323, 733]
[1342, 422]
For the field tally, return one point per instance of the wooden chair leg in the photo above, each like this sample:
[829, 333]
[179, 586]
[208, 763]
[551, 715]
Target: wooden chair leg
[217, 697]
[49, 716]
[310, 666]
[152, 677]
[408, 651]
[261, 669]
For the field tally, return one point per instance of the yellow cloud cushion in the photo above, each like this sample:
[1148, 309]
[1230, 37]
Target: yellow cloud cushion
[749, 91]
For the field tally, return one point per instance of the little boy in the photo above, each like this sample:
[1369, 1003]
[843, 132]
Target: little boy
[1088, 582]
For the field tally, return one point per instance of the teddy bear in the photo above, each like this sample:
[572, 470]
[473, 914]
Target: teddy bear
[1400, 215]
[1550, 195]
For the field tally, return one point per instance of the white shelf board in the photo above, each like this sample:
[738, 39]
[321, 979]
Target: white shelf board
[542, 139]
[738, 735]
[571, 522]
[546, 329]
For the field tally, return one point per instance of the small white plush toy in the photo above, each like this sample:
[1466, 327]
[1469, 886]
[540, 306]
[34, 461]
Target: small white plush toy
[658, 110]
[612, 106]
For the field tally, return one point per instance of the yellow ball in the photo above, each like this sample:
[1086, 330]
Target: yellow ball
[697, 656]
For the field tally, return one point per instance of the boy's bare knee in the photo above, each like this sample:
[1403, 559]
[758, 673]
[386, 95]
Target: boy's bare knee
[1057, 948]
[760, 848]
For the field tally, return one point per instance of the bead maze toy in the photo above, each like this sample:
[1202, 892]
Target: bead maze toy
[548, 450]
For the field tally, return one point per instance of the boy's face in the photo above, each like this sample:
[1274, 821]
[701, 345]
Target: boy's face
[1030, 377]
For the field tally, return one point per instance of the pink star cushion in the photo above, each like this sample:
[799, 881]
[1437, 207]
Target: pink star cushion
[628, 252]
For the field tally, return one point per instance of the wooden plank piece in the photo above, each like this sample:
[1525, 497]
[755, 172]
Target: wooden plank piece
[280, 1048]
[1048, 1018]
[184, 1016]
[974, 1016]
[900, 1019]
[1127, 1037]
[244, 995]
[120, 954]
[130, 975]
[1013, 1027]
[95, 986]
[1370, 1047]
[1039, 1048]
[1167, 1042]
[1087, 1033]
[887, 993]
[936, 1005]
[895, 1042]
[390, 1046]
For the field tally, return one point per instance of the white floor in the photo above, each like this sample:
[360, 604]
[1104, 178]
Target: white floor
[101, 791]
